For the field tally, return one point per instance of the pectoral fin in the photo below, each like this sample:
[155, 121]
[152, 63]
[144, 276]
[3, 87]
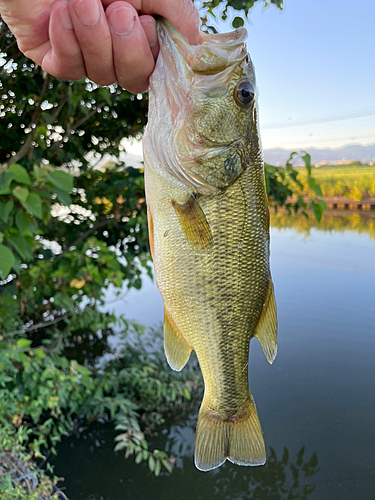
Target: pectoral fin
[193, 222]
[176, 348]
[266, 330]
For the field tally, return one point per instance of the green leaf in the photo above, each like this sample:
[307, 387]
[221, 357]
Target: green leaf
[61, 180]
[157, 468]
[23, 221]
[33, 204]
[20, 174]
[24, 343]
[187, 393]
[151, 463]
[21, 246]
[87, 382]
[17, 264]
[5, 181]
[238, 22]
[318, 210]
[63, 196]
[211, 29]
[323, 204]
[307, 161]
[166, 464]
[311, 183]
[6, 261]
[42, 130]
[21, 193]
[138, 458]
[82, 369]
[105, 94]
[38, 172]
[317, 190]
[40, 353]
[5, 210]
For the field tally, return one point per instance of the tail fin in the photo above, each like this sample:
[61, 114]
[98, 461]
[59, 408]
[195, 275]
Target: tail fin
[239, 440]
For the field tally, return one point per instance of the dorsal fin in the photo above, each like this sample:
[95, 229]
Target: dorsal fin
[193, 222]
[266, 330]
[177, 351]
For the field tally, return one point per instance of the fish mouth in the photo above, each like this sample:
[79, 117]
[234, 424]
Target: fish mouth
[208, 66]
[213, 54]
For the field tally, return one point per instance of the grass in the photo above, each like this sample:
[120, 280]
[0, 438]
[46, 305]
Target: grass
[353, 180]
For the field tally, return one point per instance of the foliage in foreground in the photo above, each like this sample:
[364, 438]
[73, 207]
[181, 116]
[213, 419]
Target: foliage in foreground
[283, 183]
[44, 392]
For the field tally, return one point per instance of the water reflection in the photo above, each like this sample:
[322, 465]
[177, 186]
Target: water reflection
[356, 223]
[281, 478]
[317, 397]
[285, 476]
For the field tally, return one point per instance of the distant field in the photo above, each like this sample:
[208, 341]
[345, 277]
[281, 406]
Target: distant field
[350, 180]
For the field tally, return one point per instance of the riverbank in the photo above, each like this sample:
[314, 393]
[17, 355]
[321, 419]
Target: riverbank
[20, 478]
[342, 205]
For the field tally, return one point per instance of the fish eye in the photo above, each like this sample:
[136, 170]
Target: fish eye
[244, 93]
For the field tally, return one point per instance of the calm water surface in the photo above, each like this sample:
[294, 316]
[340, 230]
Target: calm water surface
[316, 403]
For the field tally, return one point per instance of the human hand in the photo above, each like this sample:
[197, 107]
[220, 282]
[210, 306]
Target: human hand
[105, 40]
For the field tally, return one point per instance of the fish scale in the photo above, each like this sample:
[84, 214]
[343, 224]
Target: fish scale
[210, 237]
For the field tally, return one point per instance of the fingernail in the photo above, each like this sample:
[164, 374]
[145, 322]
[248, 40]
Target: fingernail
[88, 14]
[65, 19]
[122, 20]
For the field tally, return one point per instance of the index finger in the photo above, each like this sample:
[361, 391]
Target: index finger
[181, 13]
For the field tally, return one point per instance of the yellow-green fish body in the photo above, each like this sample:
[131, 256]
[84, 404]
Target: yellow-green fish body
[209, 231]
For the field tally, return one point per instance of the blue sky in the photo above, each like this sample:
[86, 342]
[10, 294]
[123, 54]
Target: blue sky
[315, 60]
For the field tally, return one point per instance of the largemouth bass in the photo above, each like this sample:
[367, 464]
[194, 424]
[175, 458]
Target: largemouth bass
[209, 231]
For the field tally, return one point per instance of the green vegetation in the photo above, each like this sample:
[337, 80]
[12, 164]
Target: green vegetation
[353, 180]
[282, 183]
[44, 391]
[20, 478]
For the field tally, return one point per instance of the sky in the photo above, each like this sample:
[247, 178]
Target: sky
[315, 68]
[315, 61]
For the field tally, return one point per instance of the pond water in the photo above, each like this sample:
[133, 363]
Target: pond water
[316, 403]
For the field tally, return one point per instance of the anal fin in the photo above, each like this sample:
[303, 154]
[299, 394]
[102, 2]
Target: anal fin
[193, 222]
[266, 330]
[177, 351]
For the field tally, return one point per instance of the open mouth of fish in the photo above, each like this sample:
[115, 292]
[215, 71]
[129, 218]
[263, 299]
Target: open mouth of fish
[212, 55]
[209, 63]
